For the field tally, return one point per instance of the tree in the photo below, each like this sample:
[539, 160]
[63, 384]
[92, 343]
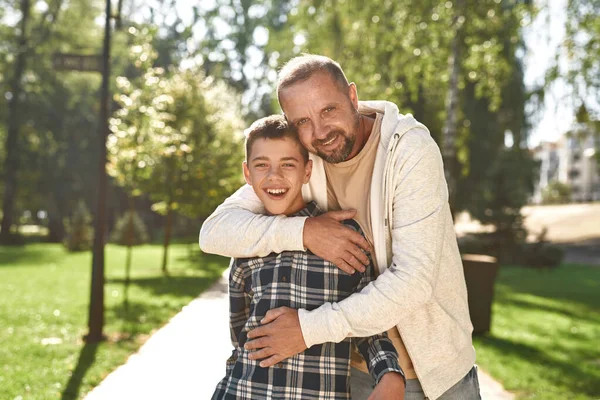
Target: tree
[582, 46]
[437, 60]
[56, 147]
[11, 161]
[175, 138]
[238, 54]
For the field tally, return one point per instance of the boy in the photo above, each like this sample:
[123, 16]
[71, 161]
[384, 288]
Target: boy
[276, 167]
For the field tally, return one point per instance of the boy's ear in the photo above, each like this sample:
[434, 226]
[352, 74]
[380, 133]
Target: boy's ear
[246, 173]
[307, 171]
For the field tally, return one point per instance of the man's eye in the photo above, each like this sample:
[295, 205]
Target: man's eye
[261, 165]
[301, 122]
[328, 109]
[289, 165]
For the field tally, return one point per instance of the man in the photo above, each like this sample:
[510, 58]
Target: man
[384, 170]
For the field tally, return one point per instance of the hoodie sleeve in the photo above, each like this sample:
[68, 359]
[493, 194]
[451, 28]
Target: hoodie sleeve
[420, 219]
[237, 228]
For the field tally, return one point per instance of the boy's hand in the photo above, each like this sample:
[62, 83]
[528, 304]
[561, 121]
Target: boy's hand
[327, 238]
[390, 387]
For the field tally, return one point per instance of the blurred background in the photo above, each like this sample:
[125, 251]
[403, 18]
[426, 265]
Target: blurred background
[162, 90]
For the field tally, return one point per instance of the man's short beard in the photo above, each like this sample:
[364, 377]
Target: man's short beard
[340, 154]
[343, 152]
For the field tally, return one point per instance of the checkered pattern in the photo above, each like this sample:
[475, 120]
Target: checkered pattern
[297, 280]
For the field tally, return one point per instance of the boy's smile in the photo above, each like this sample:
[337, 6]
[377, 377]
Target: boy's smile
[276, 171]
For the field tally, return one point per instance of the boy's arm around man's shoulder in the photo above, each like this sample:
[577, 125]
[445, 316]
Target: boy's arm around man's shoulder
[238, 228]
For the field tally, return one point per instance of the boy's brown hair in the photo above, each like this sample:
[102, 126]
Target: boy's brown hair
[272, 127]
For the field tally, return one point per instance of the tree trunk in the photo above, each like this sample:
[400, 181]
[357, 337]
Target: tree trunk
[452, 105]
[56, 228]
[11, 163]
[168, 221]
[130, 239]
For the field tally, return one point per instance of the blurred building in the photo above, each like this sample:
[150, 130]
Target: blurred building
[570, 160]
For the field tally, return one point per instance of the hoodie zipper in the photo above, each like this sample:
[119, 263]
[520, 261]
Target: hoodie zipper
[388, 181]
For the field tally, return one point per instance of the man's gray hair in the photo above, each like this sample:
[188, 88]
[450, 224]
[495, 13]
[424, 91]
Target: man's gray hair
[301, 68]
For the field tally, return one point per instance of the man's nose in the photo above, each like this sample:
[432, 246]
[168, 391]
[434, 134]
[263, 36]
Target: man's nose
[321, 130]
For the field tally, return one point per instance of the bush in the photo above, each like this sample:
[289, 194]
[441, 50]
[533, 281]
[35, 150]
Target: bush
[539, 254]
[120, 234]
[80, 232]
[556, 193]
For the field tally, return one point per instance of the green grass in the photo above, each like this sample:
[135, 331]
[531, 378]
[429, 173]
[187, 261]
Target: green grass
[545, 336]
[44, 296]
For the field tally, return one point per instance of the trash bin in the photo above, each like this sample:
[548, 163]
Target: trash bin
[480, 275]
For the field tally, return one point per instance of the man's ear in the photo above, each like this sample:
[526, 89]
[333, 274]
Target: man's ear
[246, 173]
[353, 95]
[307, 171]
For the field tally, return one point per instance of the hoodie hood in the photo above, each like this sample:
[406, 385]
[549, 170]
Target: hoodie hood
[393, 122]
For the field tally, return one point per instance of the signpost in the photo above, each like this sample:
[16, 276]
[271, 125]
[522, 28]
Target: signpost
[77, 62]
[96, 311]
[96, 63]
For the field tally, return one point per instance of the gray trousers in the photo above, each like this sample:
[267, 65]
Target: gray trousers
[467, 388]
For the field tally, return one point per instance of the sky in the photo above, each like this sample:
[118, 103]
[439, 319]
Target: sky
[542, 38]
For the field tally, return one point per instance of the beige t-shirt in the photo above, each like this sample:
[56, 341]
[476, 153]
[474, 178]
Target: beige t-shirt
[348, 187]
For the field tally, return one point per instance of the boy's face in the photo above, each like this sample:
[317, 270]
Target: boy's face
[276, 171]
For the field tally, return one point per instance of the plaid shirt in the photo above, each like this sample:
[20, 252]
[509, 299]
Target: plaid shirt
[298, 280]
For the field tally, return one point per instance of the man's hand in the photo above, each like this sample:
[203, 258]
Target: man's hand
[279, 337]
[326, 237]
[390, 387]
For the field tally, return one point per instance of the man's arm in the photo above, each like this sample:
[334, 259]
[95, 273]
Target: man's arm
[419, 223]
[239, 228]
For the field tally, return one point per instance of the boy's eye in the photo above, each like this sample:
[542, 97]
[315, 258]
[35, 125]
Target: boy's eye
[289, 165]
[261, 165]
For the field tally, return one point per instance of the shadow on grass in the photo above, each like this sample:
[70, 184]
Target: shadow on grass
[182, 285]
[572, 283]
[87, 356]
[36, 255]
[179, 286]
[565, 374]
[199, 260]
[575, 312]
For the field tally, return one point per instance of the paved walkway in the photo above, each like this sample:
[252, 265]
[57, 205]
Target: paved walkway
[186, 358]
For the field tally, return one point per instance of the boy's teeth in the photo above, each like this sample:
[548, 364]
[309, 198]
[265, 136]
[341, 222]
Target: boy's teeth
[276, 191]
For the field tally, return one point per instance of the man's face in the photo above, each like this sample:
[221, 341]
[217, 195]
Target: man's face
[325, 115]
[276, 171]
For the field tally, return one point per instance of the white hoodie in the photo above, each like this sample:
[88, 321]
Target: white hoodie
[421, 287]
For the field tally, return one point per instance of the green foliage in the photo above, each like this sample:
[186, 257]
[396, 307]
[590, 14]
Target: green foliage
[582, 48]
[130, 227]
[239, 54]
[556, 193]
[399, 51]
[177, 136]
[504, 191]
[80, 232]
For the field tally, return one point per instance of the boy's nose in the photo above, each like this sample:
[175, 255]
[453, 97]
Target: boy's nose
[275, 173]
